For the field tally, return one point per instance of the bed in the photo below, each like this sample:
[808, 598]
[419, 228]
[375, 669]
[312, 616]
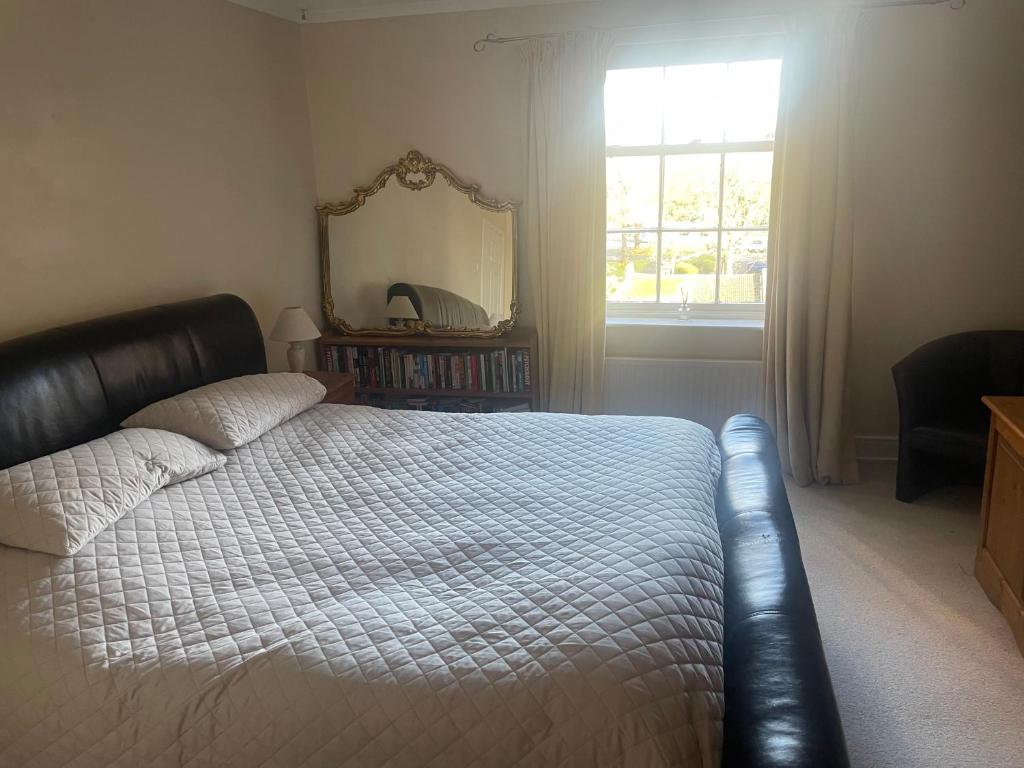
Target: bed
[365, 587]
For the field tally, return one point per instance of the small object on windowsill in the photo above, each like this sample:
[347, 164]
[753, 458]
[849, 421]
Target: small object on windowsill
[399, 311]
[341, 387]
[294, 326]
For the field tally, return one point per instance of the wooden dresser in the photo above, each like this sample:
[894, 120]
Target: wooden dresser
[1000, 562]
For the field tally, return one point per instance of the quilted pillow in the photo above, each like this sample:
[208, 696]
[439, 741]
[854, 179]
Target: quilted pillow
[179, 457]
[230, 413]
[58, 503]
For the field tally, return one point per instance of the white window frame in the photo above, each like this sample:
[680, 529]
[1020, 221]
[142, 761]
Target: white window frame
[667, 311]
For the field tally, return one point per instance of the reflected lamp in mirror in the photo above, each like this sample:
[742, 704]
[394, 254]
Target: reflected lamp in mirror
[399, 310]
[294, 326]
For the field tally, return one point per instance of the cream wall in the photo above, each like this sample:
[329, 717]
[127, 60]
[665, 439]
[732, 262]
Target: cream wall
[151, 151]
[940, 187]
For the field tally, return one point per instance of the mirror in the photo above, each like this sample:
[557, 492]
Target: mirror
[419, 252]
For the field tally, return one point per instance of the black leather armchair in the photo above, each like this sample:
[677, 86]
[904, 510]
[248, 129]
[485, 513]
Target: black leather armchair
[943, 423]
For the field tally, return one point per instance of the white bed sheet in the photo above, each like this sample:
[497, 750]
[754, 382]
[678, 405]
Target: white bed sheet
[362, 587]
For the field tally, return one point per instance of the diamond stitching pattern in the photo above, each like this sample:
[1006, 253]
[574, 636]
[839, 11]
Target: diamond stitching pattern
[57, 503]
[230, 413]
[365, 587]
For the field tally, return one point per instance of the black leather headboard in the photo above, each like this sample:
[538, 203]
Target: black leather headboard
[69, 385]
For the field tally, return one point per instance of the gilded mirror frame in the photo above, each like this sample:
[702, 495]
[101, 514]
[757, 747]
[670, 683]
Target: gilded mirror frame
[415, 173]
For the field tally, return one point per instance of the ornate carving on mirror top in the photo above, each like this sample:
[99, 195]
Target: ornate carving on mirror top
[408, 246]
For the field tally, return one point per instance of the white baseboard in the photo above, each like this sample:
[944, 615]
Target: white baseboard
[876, 447]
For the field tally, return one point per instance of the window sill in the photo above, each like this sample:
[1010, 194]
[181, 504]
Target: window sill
[690, 322]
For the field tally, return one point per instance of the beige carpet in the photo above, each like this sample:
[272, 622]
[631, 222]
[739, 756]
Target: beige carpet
[925, 669]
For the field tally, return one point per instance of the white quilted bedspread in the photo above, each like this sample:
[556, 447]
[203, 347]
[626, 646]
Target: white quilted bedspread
[362, 587]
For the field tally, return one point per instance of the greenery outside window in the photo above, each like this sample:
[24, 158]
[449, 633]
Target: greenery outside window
[689, 187]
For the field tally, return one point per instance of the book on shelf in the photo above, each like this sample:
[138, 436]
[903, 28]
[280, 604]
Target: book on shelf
[504, 370]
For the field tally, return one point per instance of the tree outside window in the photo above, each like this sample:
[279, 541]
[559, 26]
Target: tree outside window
[689, 184]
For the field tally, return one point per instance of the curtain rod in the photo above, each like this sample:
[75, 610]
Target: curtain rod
[493, 39]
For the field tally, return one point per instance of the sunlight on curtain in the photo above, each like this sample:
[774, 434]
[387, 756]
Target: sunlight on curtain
[810, 248]
[565, 216]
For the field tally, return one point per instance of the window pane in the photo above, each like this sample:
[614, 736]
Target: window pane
[632, 106]
[688, 262]
[748, 189]
[691, 190]
[744, 267]
[694, 108]
[632, 267]
[632, 192]
[752, 100]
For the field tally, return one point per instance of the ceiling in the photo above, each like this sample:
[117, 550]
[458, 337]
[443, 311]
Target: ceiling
[315, 11]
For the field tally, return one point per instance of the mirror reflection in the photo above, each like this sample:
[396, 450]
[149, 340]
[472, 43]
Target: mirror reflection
[424, 256]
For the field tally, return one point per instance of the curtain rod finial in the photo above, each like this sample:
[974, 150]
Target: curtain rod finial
[480, 44]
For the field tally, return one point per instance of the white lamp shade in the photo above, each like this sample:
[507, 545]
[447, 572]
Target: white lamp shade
[400, 308]
[293, 324]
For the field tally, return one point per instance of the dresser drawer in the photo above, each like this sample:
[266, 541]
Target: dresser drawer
[999, 565]
[1004, 534]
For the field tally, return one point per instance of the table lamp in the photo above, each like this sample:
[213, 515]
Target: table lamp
[399, 310]
[294, 326]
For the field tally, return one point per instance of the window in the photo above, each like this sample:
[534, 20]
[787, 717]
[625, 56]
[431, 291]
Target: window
[689, 184]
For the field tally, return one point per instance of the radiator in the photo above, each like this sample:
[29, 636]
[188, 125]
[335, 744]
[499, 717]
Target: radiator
[705, 391]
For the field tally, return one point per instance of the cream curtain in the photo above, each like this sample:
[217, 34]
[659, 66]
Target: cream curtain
[808, 312]
[565, 216]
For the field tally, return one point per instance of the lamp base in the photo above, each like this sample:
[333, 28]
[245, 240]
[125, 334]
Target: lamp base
[296, 357]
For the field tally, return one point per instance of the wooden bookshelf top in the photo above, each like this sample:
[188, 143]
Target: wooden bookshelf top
[518, 337]
[469, 394]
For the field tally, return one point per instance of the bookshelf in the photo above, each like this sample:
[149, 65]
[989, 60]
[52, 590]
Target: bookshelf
[438, 373]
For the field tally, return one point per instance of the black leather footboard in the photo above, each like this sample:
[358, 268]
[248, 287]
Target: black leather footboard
[779, 706]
